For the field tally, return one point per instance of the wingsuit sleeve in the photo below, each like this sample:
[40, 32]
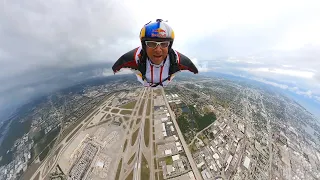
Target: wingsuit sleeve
[127, 60]
[185, 63]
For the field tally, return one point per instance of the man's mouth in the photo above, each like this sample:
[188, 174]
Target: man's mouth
[157, 56]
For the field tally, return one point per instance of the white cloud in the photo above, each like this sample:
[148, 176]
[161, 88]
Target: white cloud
[289, 72]
[253, 62]
[305, 93]
[300, 35]
[247, 60]
[104, 72]
[68, 33]
[233, 60]
[282, 86]
[109, 72]
[202, 66]
[287, 66]
[42, 38]
[294, 89]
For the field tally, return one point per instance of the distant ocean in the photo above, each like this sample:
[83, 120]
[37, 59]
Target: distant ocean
[310, 104]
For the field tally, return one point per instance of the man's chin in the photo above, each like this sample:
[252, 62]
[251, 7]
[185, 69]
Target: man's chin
[157, 60]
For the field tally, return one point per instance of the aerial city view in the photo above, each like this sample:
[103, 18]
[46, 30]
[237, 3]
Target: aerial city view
[213, 128]
[159, 90]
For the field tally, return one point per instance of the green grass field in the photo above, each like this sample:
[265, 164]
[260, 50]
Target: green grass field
[130, 105]
[149, 107]
[125, 145]
[115, 110]
[145, 171]
[141, 107]
[147, 132]
[130, 176]
[125, 112]
[131, 159]
[131, 123]
[169, 160]
[134, 137]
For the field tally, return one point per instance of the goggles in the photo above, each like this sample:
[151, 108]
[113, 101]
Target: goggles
[154, 44]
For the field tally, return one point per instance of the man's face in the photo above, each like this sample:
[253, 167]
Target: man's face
[157, 52]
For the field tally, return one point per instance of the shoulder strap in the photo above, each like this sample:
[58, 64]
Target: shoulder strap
[174, 67]
[142, 64]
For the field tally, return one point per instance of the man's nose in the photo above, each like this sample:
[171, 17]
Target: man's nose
[158, 48]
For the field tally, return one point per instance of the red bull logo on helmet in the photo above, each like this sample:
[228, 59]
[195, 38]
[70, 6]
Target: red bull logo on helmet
[159, 33]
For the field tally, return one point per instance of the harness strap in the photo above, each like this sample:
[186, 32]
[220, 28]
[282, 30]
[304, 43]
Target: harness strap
[159, 83]
[142, 63]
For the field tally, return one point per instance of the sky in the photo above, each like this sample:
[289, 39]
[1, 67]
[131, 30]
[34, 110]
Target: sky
[48, 44]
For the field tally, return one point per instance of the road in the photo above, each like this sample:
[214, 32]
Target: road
[196, 136]
[183, 142]
[269, 129]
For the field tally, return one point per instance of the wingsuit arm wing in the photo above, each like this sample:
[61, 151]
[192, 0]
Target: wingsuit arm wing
[186, 64]
[126, 61]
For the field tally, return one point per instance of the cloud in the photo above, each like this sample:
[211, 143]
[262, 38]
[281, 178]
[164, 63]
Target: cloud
[296, 90]
[202, 66]
[282, 86]
[305, 93]
[42, 41]
[288, 72]
[36, 34]
[287, 66]
[317, 77]
[15, 94]
[108, 72]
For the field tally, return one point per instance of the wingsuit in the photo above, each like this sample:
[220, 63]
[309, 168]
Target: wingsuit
[147, 72]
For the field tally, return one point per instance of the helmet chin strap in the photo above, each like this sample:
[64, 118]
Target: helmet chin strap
[157, 65]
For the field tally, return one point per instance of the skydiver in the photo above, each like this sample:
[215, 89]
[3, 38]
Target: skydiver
[155, 62]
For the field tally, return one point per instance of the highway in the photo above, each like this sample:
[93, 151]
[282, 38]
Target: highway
[183, 142]
[269, 128]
